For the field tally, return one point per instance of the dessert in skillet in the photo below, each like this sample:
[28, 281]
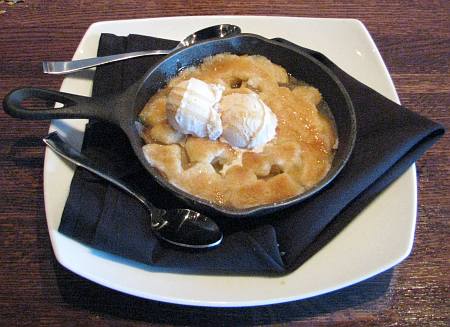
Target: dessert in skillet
[239, 132]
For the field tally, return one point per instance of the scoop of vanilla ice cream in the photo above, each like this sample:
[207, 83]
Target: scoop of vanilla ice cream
[192, 108]
[247, 121]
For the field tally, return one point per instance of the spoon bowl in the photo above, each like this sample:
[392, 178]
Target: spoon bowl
[65, 67]
[223, 30]
[181, 227]
[187, 227]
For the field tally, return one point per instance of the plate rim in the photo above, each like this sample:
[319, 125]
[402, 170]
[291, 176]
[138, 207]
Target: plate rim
[62, 259]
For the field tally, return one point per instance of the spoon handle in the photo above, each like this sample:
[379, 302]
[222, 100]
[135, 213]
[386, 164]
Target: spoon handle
[64, 67]
[96, 167]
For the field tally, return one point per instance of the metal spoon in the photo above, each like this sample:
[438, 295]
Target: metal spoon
[181, 227]
[64, 67]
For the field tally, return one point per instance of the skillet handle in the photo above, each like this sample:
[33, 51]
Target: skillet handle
[75, 106]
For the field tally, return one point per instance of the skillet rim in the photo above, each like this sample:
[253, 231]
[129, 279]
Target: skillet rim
[263, 209]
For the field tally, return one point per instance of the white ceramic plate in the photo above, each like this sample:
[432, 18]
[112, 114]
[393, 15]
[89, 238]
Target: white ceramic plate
[380, 237]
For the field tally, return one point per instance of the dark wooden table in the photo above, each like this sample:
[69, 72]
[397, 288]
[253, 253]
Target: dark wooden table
[413, 38]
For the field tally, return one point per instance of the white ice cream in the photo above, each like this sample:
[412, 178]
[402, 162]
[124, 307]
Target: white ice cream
[192, 108]
[247, 121]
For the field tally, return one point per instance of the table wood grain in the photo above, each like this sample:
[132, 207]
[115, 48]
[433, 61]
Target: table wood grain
[413, 38]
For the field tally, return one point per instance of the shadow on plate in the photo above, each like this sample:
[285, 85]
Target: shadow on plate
[82, 293]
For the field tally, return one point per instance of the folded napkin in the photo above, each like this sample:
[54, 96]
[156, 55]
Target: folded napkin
[389, 139]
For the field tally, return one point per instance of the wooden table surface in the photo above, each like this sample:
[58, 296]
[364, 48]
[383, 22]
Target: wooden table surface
[413, 38]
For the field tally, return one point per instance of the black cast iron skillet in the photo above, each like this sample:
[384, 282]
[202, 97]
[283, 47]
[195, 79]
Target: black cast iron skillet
[123, 109]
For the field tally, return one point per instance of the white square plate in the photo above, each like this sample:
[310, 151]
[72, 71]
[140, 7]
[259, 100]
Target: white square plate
[380, 237]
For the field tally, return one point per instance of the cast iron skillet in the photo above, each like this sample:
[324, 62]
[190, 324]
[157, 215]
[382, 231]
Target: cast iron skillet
[123, 109]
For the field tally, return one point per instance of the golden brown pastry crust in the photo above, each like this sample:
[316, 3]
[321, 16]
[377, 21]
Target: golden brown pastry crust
[297, 159]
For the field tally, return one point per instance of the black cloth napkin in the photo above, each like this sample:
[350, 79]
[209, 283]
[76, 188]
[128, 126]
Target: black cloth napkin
[389, 139]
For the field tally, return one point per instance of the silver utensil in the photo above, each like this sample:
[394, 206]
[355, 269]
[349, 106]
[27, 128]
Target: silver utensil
[181, 227]
[64, 67]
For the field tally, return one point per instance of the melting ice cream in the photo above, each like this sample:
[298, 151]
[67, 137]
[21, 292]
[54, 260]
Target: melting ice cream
[246, 120]
[198, 108]
[192, 108]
